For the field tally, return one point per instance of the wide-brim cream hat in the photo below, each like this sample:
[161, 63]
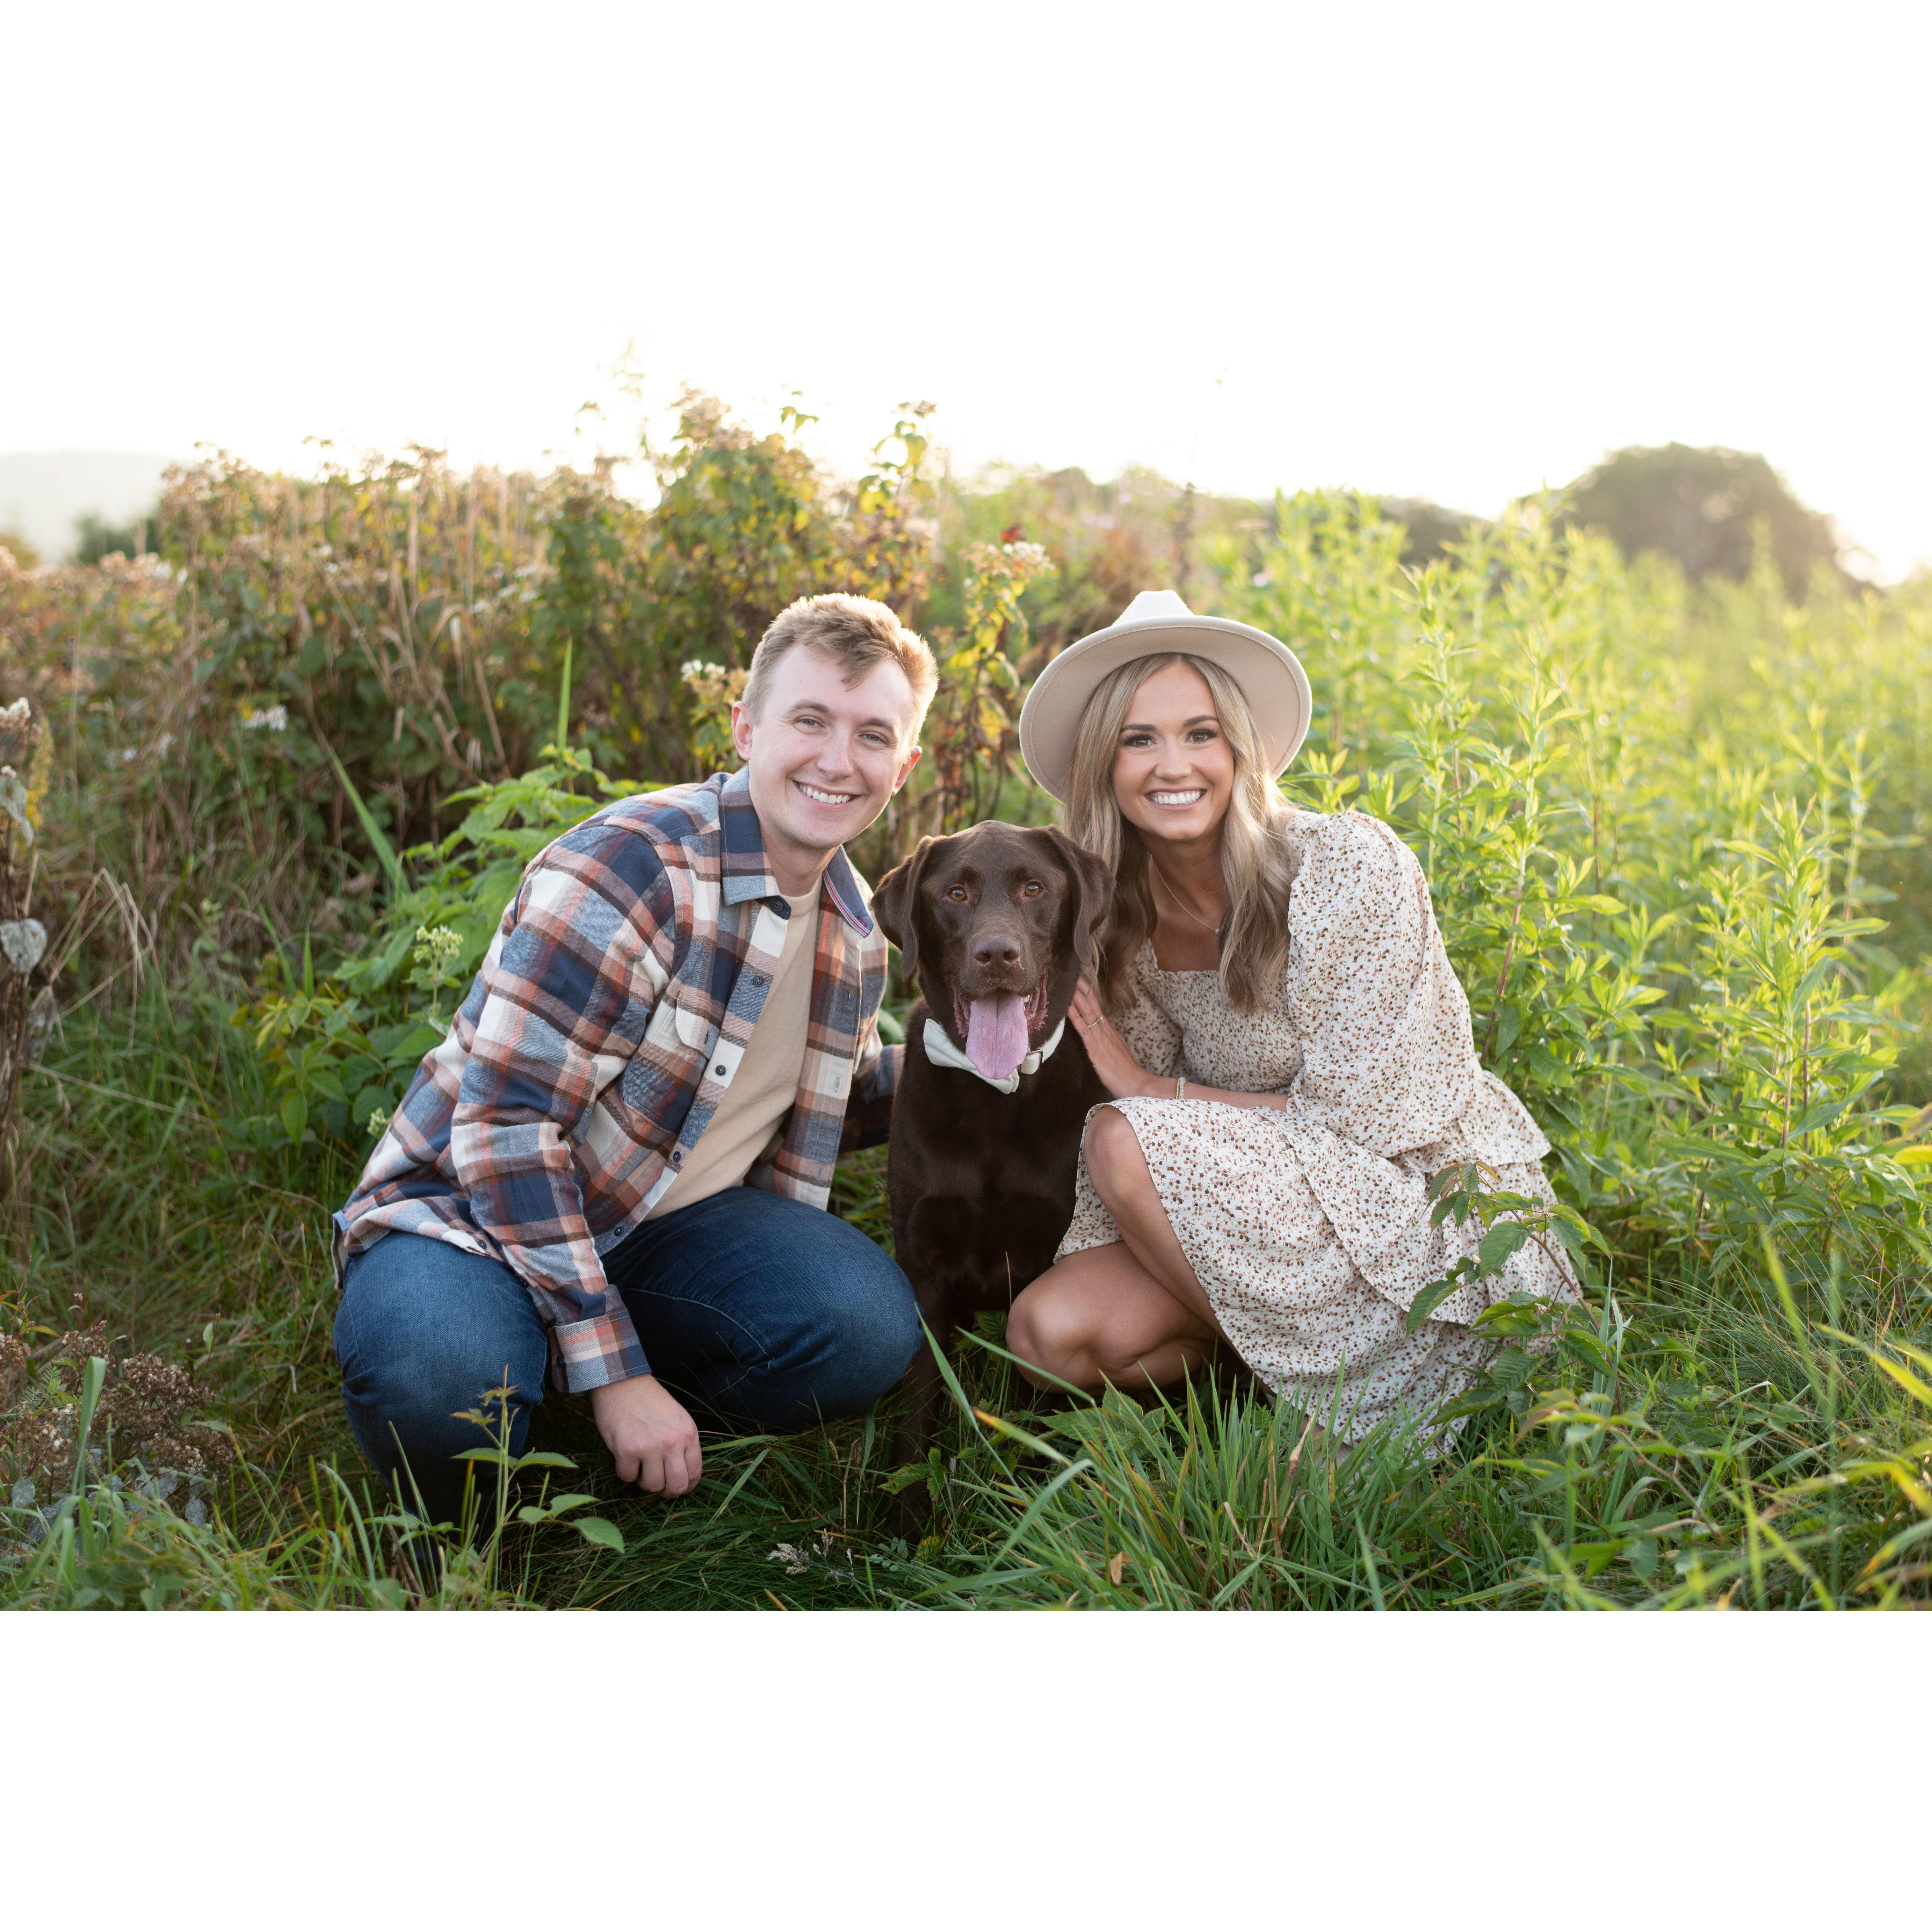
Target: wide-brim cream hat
[1157, 622]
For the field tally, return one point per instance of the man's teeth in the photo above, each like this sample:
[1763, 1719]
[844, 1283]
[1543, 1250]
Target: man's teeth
[827, 797]
[1176, 797]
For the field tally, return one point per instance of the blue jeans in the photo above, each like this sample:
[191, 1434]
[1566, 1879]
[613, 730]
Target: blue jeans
[758, 1311]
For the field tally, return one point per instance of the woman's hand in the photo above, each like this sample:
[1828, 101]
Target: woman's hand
[1120, 1073]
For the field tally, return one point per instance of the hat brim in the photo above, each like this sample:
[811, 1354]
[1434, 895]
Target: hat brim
[1269, 673]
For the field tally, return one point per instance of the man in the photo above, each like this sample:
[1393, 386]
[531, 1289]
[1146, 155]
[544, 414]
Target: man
[613, 1173]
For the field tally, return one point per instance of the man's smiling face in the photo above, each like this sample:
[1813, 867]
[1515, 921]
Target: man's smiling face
[824, 756]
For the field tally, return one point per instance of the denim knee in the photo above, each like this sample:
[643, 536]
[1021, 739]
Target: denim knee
[870, 1322]
[769, 1313]
[424, 1331]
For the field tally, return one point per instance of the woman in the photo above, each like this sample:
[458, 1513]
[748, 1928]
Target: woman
[1289, 1050]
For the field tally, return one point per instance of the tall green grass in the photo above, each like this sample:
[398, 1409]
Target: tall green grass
[1729, 1443]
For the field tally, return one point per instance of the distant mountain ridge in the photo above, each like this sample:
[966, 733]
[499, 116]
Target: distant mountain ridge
[41, 494]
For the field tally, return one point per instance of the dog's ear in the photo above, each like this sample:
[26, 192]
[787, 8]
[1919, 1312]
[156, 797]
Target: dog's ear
[1092, 894]
[895, 906]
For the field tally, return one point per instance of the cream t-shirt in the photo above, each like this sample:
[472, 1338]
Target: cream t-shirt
[754, 1106]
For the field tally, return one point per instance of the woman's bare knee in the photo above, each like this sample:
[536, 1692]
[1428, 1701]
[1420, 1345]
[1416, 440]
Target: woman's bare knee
[1046, 1334]
[1019, 1329]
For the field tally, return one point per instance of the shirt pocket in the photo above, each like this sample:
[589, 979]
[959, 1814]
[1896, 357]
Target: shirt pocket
[674, 1026]
[694, 1028]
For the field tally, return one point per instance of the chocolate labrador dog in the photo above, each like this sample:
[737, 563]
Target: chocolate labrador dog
[994, 926]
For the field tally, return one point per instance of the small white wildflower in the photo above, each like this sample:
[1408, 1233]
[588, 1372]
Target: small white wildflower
[795, 1560]
[379, 1122]
[163, 744]
[712, 684]
[275, 718]
[128, 757]
[436, 944]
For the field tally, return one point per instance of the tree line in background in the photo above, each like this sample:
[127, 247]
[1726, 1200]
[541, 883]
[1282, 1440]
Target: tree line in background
[1702, 507]
[417, 620]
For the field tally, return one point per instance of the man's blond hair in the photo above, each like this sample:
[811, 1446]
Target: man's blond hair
[859, 633]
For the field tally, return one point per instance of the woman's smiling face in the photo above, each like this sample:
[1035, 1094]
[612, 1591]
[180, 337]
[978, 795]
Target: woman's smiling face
[1174, 771]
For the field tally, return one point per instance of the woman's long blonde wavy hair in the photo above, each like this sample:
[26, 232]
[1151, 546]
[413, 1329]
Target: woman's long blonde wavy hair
[1256, 860]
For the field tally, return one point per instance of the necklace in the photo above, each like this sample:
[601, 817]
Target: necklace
[1175, 898]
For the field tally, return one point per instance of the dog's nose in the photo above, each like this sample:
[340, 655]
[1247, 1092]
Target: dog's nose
[996, 948]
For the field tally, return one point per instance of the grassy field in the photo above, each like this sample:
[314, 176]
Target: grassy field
[1723, 1449]
[1675, 835]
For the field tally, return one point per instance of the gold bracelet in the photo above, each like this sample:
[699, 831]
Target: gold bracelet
[1180, 1086]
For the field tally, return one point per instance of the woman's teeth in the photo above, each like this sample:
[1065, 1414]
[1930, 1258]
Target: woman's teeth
[826, 797]
[1176, 797]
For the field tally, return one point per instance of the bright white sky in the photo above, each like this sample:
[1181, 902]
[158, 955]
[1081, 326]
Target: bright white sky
[1450, 251]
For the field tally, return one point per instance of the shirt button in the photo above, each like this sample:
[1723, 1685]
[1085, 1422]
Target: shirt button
[719, 1070]
[757, 979]
[676, 1155]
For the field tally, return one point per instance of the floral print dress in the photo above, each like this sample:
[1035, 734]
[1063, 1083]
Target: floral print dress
[1310, 1230]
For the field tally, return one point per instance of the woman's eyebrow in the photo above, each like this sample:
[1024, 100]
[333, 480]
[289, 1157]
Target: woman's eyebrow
[1200, 717]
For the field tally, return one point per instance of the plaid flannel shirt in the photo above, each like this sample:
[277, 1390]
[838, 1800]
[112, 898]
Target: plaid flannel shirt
[601, 1032]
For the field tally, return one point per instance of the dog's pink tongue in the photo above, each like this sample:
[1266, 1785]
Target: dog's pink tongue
[996, 1034]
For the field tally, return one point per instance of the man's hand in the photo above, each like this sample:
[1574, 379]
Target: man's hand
[647, 1430]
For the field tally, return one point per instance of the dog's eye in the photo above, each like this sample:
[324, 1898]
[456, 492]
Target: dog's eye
[1034, 889]
[956, 893]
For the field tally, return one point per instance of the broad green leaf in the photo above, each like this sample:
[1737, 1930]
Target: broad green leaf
[1509, 1024]
[605, 1535]
[1431, 1298]
[358, 1071]
[1499, 1243]
[383, 968]
[419, 1040]
[370, 1100]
